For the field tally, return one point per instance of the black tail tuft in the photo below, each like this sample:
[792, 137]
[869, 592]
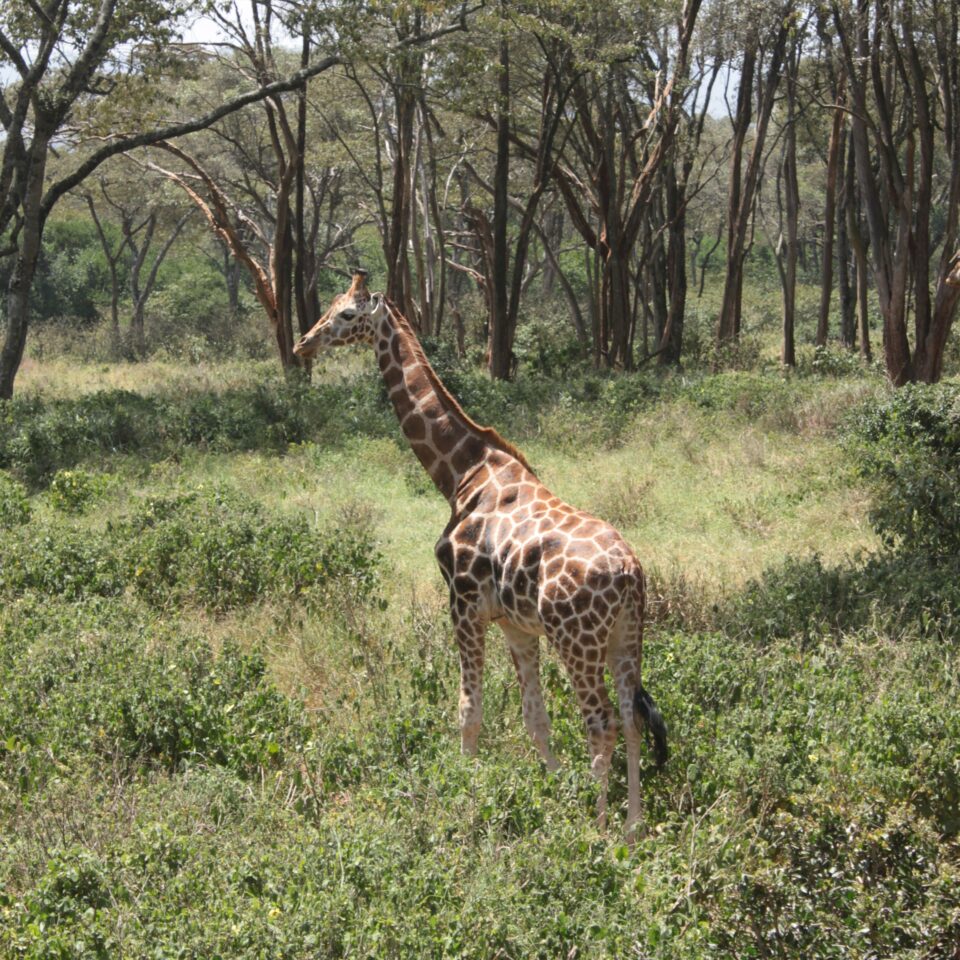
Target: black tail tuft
[644, 708]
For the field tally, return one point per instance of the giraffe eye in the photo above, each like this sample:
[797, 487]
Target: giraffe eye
[348, 314]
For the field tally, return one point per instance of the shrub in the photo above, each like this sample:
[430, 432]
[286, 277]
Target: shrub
[60, 562]
[803, 598]
[221, 550]
[212, 549]
[753, 396]
[183, 704]
[106, 682]
[14, 505]
[38, 437]
[72, 490]
[830, 361]
[908, 449]
[798, 598]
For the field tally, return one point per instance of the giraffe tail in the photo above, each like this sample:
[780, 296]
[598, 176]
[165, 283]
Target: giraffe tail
[646, 712]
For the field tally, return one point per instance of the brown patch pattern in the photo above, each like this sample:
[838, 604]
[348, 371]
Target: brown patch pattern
[512, 553]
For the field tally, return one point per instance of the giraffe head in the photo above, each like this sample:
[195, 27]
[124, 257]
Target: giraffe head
[350, 319]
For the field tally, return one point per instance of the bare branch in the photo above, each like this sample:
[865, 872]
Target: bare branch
[152, 137]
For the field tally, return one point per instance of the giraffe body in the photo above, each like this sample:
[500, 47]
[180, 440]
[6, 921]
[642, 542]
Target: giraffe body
[514, 554]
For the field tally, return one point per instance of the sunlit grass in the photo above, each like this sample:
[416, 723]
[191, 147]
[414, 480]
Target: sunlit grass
[325, 810]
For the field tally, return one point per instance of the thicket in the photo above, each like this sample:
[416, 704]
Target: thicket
[167, 801]
[212, 549]
[40, 436]
[907, 448]
[162, 796]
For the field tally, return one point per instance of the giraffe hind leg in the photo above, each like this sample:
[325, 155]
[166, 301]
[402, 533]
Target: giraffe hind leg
[624, 671]
[586, 671]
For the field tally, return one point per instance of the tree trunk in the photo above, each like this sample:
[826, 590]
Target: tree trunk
[112, 257]
[138, 340]
[728, 327]
[305, 316]
[742, 191]
[231, 276]
[18, 304]
[834, 161]
[671, 343]
[25, 264]
[399, 280]
[788, 356]
[501, 336]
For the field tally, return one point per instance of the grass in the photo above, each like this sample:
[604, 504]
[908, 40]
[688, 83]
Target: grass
[268, 772]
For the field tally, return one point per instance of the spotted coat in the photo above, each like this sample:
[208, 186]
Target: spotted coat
[513, 553]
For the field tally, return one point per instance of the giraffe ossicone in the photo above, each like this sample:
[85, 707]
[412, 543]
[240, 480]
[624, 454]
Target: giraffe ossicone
[514, 554]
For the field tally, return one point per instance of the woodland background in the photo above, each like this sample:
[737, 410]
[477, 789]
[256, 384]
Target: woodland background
[557, 175]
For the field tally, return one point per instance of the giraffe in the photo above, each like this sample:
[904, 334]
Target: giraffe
[514, 554]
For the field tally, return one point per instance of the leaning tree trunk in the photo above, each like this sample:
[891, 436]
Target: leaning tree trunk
[25, 264]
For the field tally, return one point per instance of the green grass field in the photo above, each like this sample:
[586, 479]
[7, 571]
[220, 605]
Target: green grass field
[228, 688]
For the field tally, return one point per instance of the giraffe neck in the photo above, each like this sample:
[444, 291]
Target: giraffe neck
[445, 440]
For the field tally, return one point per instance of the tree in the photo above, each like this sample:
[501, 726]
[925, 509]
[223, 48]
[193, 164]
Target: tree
[622, 128]
[765, 46]
[901, 70]
[137, 222]
[395, 62]
[68, 58]
[834, 163]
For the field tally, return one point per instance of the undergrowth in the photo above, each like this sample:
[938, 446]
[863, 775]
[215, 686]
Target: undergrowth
[213, 549]
[217, 740]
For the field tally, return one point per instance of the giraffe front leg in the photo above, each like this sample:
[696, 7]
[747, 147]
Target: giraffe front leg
[470, 640]
[525, 651]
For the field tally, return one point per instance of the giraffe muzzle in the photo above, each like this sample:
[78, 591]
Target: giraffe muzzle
[305, 346]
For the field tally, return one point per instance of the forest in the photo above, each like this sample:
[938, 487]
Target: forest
[698, 260]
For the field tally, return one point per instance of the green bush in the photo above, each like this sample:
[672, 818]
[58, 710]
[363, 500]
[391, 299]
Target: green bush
[14, 505]
[749, 394]
[908, 449]
[803, 598]
[222, 550]
[211, 549]
[799, 598]
[105, 682]
[38, 437]
[72, 490]
[830, 361]
[60, 561]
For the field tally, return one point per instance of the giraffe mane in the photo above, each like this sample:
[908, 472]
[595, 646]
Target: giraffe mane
[488, 433]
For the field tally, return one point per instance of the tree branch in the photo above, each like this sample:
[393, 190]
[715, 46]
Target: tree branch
[151, 137]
